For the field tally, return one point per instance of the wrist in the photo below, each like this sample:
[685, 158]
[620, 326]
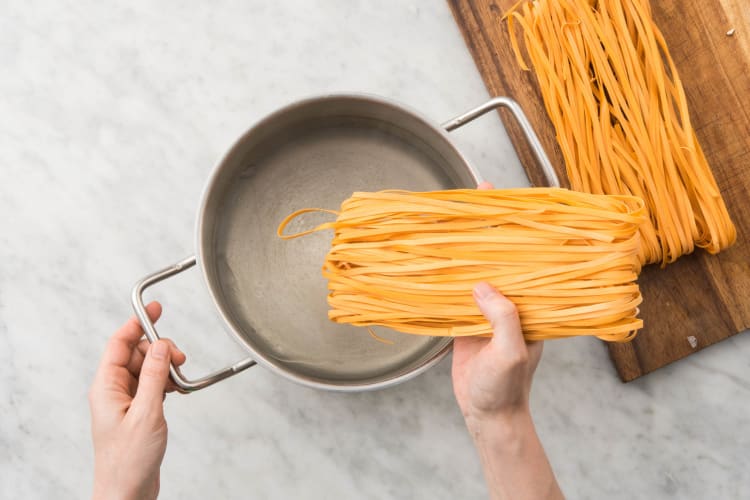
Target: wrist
[500, 429]
[115, 486]
[107, 492]
[513, 460]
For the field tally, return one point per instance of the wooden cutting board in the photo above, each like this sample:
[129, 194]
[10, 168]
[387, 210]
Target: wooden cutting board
[701, 299]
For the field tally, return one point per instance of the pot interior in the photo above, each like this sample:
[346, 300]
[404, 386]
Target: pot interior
[270, 291]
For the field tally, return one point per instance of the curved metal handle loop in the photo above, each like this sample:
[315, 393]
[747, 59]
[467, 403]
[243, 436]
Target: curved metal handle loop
[184, 385]
[526, 128]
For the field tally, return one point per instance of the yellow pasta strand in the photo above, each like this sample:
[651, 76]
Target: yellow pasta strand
[615, 99]
[409, 261]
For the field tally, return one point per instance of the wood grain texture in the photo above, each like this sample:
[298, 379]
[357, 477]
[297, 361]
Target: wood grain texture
[703, 296]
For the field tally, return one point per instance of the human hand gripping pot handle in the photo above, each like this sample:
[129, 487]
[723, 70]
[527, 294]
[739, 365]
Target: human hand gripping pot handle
[127, 414]
[492, 381]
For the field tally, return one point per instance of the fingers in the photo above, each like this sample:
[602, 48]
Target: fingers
[113, 367]
[153, 379]
[503, 316]
[512, 324]
[131, 330]
[139, 354]
[126, 338]
[535, 353]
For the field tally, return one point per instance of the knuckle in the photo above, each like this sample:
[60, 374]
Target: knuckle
[172, 346]
[506, 306]
[153, 370]
[144, 414]
[513, 360]
[503, 311]
[518, 358]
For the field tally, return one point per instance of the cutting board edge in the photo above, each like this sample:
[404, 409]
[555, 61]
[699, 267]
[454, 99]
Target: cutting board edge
[628, 375]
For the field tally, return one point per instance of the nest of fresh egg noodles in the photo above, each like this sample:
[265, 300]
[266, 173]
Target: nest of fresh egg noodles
[409, 260]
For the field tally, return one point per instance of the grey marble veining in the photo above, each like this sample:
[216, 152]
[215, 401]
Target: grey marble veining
[112, 115]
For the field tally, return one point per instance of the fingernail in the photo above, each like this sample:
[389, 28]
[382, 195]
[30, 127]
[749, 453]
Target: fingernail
[159, 350]
[483, 291]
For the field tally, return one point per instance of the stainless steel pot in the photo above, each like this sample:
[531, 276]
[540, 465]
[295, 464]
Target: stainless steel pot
[270, 292]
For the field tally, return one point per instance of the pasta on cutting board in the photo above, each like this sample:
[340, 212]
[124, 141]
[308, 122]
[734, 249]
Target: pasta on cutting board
[616, 101]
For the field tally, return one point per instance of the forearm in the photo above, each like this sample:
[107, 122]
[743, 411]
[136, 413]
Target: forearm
[514, 463]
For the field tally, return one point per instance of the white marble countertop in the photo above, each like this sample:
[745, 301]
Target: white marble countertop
[112, 115]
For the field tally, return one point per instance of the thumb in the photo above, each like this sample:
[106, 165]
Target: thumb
[503, 316]
[154, 376]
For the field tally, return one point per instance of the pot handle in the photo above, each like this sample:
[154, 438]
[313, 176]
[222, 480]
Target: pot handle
[528, 131]
[184, 385]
